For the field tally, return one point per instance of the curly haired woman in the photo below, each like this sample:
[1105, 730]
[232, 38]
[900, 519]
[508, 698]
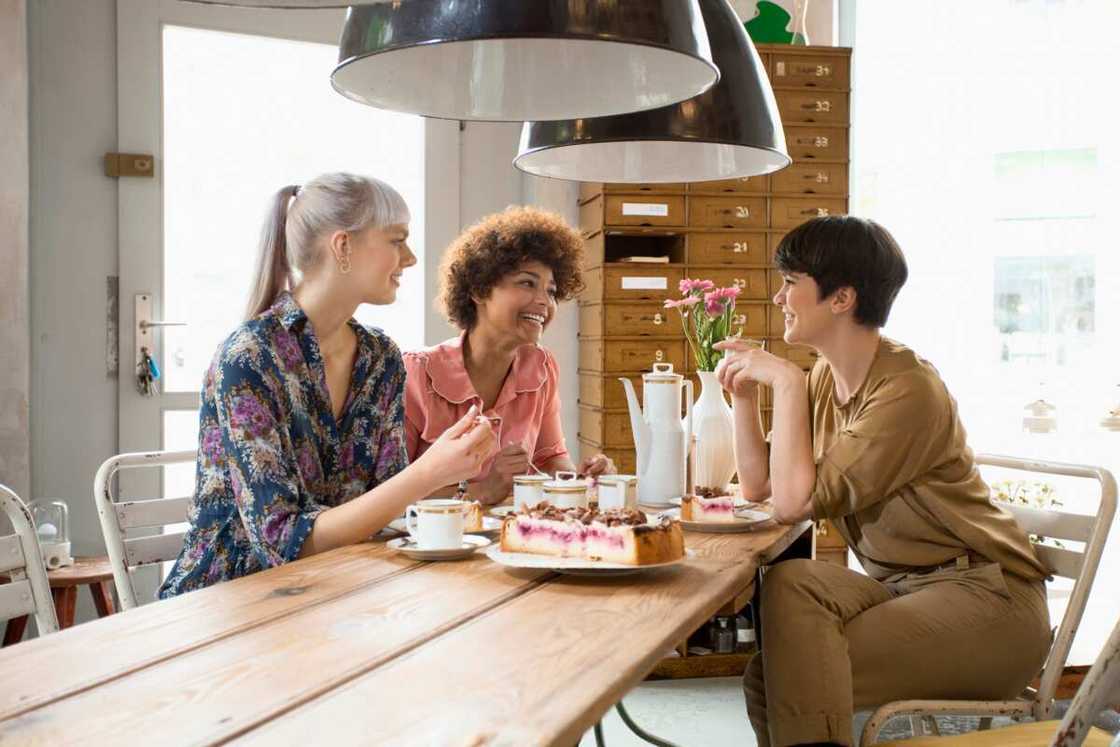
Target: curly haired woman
[501, 282]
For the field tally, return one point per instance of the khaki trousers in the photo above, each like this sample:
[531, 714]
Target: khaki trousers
[834, 640]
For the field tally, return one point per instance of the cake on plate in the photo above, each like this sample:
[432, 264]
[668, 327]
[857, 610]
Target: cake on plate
[472, 517]
[622, 535]
[708, 504]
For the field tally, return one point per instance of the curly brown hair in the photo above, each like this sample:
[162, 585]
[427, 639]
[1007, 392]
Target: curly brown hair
[495, 246]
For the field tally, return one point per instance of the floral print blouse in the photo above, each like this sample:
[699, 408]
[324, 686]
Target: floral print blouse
[271, 456]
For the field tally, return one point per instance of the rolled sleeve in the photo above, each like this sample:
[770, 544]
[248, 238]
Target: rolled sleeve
[276, 513]
[898, 435]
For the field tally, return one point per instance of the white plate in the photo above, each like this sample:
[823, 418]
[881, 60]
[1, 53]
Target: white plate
[740, 502]
[490, 526]
[471, 542]
[574, 566]
[746, 520]
[500, 512]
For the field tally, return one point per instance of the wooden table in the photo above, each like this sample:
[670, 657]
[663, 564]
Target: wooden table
[362, 645]
[95, 573]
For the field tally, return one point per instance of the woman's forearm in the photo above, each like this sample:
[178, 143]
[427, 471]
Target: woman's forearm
[369, 513]
[751, 454]
[792, 470]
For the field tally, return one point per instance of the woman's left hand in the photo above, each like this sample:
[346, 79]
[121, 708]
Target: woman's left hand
[599, 464]
[748, 363]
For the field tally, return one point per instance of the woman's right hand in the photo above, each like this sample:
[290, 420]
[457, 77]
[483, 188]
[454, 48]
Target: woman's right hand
[458, 454]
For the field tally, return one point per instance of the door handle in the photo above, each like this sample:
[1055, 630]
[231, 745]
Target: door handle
[143, 337]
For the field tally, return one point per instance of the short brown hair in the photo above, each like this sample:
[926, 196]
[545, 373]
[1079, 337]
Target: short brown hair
[843, 250]
[495, 246]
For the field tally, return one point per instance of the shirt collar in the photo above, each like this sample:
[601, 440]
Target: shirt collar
[447, 372]
[287, 311]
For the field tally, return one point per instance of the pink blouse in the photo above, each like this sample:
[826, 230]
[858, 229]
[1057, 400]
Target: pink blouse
[438, 391]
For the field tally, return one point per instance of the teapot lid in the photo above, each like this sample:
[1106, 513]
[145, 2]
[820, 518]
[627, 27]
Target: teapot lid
[662, 372]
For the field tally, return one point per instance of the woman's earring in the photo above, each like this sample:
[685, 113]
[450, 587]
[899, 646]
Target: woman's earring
[344, 264]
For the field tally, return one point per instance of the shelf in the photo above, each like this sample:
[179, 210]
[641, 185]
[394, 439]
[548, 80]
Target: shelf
[711, 665]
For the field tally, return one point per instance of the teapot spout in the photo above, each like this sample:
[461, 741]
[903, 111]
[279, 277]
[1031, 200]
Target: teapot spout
[637, 424]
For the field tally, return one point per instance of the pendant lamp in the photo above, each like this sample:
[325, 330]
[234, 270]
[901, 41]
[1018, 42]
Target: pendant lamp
[732, 130]
[518, 60]
[289, 4]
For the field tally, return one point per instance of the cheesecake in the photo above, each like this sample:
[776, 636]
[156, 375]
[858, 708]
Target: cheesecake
[624, 536]
[708, 505]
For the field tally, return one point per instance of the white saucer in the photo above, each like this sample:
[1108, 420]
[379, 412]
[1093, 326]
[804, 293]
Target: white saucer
[490, 526]
[746, 520]
[740, 502]
[407, 545]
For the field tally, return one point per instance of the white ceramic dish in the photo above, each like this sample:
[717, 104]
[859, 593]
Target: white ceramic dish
[574, 566]
[471, 542]
[740, 502]
[746, 520]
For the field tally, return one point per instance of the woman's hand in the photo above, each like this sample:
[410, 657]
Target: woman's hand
[458, 454]
[498, 483]
[747, 366]
[598, 464]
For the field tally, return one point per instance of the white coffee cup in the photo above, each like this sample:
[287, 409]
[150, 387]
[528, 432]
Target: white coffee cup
[528, 490]
[436, 523]
[618, 491]
[566, 491]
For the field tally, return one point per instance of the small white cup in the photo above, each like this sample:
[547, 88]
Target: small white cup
[528, 490]
[436, 523]
[618, 491]
[566, 491]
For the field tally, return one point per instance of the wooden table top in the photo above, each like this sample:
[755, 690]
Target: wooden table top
[362, 645]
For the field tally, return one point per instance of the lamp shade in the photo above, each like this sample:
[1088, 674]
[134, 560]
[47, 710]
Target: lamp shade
[517, 60]
[289, 4]
[732, 130]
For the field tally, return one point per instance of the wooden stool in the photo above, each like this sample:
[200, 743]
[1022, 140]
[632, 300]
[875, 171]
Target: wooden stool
[96, 573]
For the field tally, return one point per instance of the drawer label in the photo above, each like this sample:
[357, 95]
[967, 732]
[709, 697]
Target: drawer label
[654, 283]
[659, 209]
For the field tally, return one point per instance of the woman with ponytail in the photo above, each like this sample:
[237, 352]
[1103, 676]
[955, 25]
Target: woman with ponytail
[301, 435]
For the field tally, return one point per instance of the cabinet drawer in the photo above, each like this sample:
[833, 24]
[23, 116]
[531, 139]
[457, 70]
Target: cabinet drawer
[750, 319]
[624, 459]
[813, 179]
[625, 356]
[632, 283]
[750, 184]
[807, 70]
[628, 319]
[816, 142]
[777, 318]
[828, 536]
[727, 249]
[789, 212]
[666, 188]
[727, 212]
[609, 428]
[827, 107]
[752, 283]
[644, 210]
[802, 356]
[606, 392]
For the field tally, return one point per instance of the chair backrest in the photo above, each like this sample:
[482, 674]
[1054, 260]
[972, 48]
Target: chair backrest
[28, 591]
[1081, 566]
[120, 518]
[1099, 690]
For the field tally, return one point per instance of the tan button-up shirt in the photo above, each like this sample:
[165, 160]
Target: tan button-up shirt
[896, 476]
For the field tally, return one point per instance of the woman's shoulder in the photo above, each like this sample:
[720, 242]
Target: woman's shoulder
[380, 343]
[901, 369]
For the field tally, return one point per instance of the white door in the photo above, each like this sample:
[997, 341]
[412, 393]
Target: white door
[235, 104]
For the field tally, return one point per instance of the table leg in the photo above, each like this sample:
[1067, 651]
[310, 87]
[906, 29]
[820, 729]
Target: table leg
[65, 599]
[13, 631]
[102, 598]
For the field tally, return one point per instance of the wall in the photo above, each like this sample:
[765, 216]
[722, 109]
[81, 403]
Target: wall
[15, 329]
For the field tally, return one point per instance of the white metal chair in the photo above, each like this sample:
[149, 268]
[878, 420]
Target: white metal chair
[1079, 566]
[28, 590]
[120, 518]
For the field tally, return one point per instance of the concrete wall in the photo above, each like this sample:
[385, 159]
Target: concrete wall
[15, 328]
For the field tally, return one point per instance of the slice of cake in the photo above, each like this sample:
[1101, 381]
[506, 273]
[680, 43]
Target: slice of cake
[617, 536]
[472, 517]
[709, 504]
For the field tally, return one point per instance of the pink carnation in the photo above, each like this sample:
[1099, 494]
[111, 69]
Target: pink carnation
[714, 306]
[688, 286]
[689, 301]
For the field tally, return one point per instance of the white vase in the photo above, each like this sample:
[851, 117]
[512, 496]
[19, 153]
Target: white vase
[713, 433]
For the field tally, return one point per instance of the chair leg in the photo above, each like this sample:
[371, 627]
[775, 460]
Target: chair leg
[642, 733]
[13, 631]
[599, 741]
[102, 598]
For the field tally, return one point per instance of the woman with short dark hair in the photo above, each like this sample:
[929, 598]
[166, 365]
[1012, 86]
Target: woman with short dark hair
[953, 604]
[501, 283]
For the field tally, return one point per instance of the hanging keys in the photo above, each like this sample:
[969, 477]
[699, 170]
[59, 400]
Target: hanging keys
[147, 373]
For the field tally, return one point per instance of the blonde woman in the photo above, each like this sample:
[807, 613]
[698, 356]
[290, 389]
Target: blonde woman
[301, 437]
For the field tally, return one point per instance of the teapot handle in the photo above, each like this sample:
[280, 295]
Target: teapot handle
[688, 445]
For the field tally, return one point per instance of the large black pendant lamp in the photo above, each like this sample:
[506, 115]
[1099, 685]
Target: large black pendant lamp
[520, 60]
[289, 4]
[733, 130]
